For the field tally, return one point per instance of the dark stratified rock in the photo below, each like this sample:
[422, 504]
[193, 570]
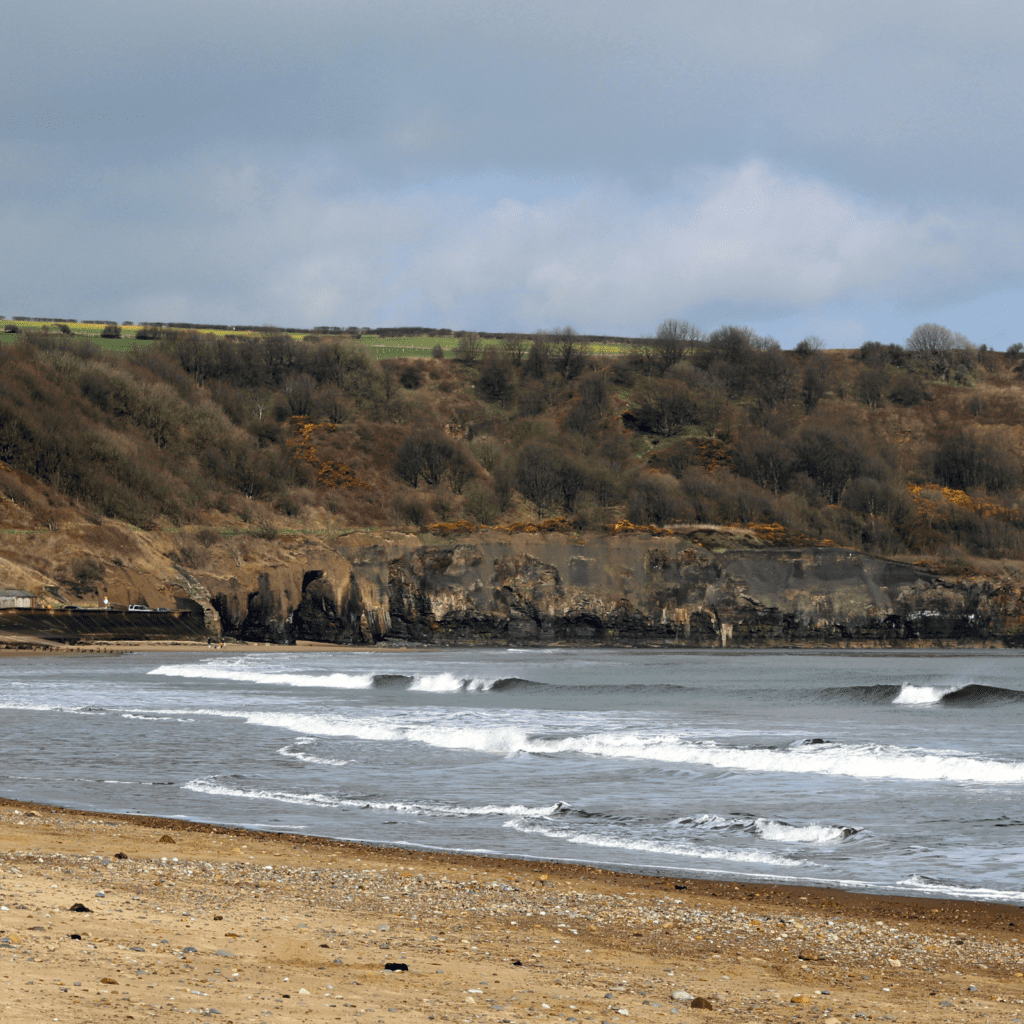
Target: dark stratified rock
[700, 1003]
[79, 908]
[396, 967]
[491, 587]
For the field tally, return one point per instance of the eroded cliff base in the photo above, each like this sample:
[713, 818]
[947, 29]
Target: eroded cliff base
[692, 587]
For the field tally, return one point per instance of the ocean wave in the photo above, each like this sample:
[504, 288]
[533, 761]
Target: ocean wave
[867, 760]
[922, 883]
[434, 810]
[333, 680]
[156, 718]
[658, 846]
[307, 758]
[770, 829]
[948, 695]
[440, 682]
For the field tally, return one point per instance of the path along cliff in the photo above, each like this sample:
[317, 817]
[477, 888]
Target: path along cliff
[695, 587]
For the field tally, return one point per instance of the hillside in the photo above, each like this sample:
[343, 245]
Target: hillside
[210, 449]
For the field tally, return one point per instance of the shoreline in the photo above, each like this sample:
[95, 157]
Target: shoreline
[34, 648]
[849, 898]
[258, 925]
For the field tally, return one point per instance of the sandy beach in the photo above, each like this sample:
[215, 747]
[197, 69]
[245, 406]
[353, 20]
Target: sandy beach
[186, 918]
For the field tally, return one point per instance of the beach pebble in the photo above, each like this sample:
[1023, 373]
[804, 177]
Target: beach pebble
[681, 995]
[700, 1003]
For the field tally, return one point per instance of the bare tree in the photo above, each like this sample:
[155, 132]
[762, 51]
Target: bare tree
[515, 348]
[674, 340]
[809, 346]
[468, 349]
[938, 350]
[570, 352]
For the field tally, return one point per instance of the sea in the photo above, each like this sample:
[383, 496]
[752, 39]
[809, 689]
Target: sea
[871, 771]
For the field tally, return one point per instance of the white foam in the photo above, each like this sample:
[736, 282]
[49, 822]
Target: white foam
[255, 674]
[658, 846]
[301, 755]
[399, 806]
[867, 761]
[497, 740]
[923, 884]
[780, 832]
[911, 694]
[766, 828]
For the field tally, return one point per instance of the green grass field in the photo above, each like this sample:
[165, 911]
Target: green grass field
[411, 347]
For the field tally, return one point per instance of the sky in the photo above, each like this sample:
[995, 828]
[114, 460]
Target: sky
[842, 170]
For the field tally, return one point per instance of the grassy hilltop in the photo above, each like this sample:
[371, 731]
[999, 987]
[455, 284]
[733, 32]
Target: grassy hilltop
[910, 450]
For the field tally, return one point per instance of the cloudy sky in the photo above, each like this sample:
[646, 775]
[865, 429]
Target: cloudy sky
[847, 170]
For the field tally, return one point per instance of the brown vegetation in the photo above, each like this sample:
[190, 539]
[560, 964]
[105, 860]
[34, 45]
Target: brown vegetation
[915, 449]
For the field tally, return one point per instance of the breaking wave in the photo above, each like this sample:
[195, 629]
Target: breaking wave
[434, 810]
[770, 829]
[583, 837]
[860, 760]
[440, 682]
[950, 695]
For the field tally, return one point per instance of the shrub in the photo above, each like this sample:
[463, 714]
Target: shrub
[424, 455]
[549, 477]
[415, 510]
[664, 407]
[437, 352]
[673, 340]
[503, 479]
[482, 504]
[809, 346]
[111, 331]
[496, 381]
[765, 459]
[830, 457]
[871, 383]
[964, 461]
[875, 498]
[514, 347]
[410, 377]
[907, 391]
[86, 575]
[814, 385]
[654, 500]
[468, 349]
[874, 353]
[538, 359]
[568, 352]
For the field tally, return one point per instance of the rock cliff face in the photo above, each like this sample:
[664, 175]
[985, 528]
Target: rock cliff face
[701, 588]
[542, 589]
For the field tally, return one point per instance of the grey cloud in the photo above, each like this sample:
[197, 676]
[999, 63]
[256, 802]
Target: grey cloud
[508, 165]
[749, 243]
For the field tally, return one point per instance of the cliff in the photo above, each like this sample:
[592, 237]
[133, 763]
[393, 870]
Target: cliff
[697, 588]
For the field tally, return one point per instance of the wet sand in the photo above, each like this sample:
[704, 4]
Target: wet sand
[194, 919]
